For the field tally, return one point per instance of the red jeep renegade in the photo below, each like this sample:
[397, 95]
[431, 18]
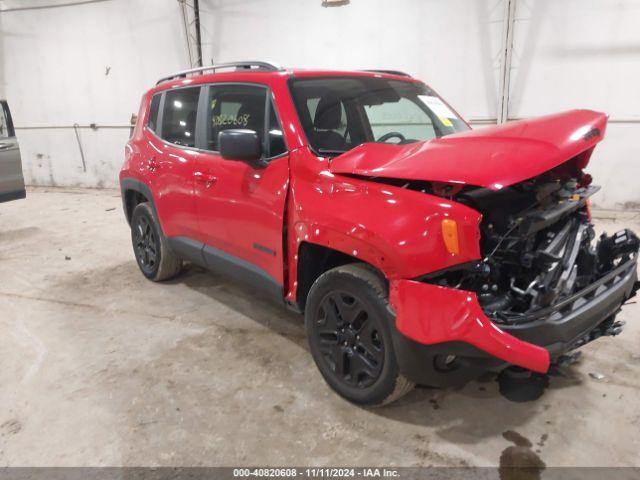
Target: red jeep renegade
[420, 251]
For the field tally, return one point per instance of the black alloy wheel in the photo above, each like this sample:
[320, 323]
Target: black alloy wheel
[348, 322]
[349, 339]
[145, 244]
[155, 258]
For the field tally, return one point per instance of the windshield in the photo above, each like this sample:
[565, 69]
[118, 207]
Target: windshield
[340, 113]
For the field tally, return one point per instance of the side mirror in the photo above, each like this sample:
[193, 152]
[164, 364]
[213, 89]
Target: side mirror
[241, 145]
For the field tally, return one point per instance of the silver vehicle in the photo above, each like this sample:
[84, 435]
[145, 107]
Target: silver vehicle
[11, 179]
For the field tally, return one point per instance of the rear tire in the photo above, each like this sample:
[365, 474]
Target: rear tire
[348, 318]
[155, 258]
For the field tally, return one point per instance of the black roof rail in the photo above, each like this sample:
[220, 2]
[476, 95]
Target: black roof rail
[248, 65]
[389, 72]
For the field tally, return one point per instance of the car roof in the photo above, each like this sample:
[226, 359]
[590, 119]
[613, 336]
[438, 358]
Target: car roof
[259, 75]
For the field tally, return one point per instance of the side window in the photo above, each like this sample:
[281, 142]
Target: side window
[179, 116]
[235, 107]
[403, 116]
[277, 144]
[6, 129]
[153, 112]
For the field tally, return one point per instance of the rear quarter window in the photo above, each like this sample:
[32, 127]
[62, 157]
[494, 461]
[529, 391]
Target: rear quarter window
[152, 122]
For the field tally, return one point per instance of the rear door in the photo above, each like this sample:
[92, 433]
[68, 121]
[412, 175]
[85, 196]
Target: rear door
[171, 159]
[11, 179]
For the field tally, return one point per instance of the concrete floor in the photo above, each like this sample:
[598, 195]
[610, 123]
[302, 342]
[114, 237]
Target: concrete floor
[99, 366]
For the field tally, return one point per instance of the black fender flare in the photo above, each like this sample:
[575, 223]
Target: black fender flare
[129, 184]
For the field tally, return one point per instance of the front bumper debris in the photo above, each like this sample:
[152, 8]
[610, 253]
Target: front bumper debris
[430, 314]
[580, 318]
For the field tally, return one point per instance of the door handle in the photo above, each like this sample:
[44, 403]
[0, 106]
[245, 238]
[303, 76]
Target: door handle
[5, 146]
[205, 178]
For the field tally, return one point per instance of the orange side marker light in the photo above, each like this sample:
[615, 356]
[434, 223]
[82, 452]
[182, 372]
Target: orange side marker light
[450, 236]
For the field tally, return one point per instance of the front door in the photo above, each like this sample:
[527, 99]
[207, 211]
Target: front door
[240, 206]
[11, 179]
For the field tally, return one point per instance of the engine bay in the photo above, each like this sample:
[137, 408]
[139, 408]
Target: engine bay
[538, 245]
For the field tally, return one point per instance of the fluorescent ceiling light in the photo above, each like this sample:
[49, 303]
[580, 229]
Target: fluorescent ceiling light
[334, 3]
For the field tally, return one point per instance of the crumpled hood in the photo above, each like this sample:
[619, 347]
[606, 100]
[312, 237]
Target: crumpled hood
[494, 157]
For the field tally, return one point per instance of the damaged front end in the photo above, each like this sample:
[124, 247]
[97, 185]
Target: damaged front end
[544, 282]
[541, 262]
[543, 287]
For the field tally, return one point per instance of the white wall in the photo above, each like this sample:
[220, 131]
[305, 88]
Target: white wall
[453, 45]
[585, 54]
[567, 54]
[54, 74]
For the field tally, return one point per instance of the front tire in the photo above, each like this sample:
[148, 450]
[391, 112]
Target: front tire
[348, 318]
[155, 259]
